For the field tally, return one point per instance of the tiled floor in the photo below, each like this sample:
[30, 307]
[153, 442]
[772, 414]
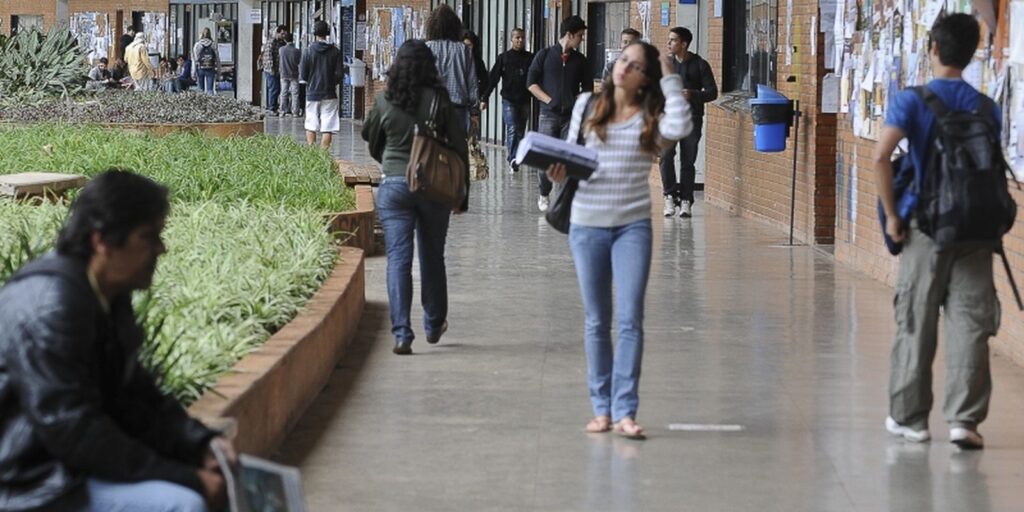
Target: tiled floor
[740, 330]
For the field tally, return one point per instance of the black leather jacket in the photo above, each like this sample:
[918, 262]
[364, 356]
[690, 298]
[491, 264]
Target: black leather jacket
[74, 401]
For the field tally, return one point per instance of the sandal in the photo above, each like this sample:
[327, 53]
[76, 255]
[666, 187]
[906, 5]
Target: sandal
[628, 428]
[599, 425]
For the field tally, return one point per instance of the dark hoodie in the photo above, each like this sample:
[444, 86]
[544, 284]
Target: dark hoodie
[320, 69]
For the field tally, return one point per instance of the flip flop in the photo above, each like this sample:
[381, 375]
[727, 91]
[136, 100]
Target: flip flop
[599, 425]
[629, 430]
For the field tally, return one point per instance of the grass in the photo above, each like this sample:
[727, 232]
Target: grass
[262, 170]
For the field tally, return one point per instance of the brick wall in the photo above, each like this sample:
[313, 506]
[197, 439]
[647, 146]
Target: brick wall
[858, 240]
[758, 185]
[46, 8]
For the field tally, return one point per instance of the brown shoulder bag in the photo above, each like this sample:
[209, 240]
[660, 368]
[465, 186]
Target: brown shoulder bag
[435, 171]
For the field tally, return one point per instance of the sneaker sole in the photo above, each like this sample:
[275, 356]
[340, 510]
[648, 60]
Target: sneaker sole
[964, 444]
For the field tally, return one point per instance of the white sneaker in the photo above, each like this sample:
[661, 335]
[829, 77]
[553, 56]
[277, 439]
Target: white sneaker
[543, 203]
[686, 209]
[670, 206]
[966, 438]
[917, 436]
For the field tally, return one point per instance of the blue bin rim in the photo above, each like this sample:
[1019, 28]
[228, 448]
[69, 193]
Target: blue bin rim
[766, 92]
[769, 101]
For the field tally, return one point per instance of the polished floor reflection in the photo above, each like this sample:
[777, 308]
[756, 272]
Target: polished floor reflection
[782, 343]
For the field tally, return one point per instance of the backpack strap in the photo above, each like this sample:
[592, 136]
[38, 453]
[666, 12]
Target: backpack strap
[931, 100]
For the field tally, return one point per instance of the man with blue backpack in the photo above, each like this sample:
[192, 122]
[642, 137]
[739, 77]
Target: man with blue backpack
[948, 218]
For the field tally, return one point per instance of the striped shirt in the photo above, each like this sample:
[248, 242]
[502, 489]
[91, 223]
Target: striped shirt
[618, 192]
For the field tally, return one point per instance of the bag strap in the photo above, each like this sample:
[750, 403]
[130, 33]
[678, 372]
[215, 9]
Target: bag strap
[1009, 275]
[932, 101]
[580, 136]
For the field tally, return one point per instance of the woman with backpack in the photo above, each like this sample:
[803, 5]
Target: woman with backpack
[205, 63]
[639, 111]
[414, 89]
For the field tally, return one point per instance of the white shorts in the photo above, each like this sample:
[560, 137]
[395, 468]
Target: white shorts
[322, 116]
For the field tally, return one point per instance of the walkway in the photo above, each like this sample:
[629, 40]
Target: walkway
[780, 342]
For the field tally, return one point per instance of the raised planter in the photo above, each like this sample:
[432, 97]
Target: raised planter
[269, 389]
[223, 130]
[357, 225]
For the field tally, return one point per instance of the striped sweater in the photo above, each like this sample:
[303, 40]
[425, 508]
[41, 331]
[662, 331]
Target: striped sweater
[618, 193]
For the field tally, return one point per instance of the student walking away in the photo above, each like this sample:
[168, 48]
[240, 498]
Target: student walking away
[948, 238]
[627, 37]
[270, 62]
[510, 68]
[207, 63]
[472, 41]
[289, 58]
[85, 426]
[320, 69]
[454, 61]
[413, 89]
[139, 66]
[558, 74]
[640, 111]
[699, 87]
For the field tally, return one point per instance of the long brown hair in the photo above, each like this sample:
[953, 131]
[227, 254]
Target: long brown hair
[652, 102]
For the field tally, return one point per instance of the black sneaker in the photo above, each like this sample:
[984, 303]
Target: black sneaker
[403, 348]
[436, 337]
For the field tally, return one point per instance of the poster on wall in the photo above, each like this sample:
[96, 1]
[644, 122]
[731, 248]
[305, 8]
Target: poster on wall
[91, 30]
[154, 25]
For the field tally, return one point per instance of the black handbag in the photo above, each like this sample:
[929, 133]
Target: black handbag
[561, 210]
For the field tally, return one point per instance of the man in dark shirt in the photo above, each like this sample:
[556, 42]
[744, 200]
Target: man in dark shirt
[627, 37]
[126, 39]
[270, 60]
[512, 67]
[557, 76]
[83, 425]
[698, 88]
[320, 69]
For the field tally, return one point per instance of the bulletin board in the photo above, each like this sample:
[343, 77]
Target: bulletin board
[389, 28]
[93, 32]
[881, 47]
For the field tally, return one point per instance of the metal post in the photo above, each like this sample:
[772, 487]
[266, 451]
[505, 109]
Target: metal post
[796, 145]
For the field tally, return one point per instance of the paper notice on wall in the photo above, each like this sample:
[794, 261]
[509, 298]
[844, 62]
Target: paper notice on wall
[814, 35]
[789, 32]
[830, 94]
[973, 74]
[1017, 33]
[828, 14]
[930, 13]
[830, 52]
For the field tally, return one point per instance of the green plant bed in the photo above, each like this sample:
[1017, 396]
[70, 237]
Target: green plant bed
[233, 276]
[247, 238]
[262, 170]
[129, 107]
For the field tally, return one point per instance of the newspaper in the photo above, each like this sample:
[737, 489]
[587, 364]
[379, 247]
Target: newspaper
[540, 151]
[258, 485]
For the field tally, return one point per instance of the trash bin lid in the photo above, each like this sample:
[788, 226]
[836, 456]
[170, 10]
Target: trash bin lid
[765, 92]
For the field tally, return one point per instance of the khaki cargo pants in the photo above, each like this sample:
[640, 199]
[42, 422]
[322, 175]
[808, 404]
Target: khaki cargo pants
[960, 282]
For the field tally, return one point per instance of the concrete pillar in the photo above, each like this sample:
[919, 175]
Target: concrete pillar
[246, 53]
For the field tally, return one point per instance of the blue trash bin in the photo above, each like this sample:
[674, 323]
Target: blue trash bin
[771, 112]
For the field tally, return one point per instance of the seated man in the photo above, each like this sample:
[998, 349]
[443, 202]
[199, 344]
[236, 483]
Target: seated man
[83, 425]
[100, 77]
[185, 81]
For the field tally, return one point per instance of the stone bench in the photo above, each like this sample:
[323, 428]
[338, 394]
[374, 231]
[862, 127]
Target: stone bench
[36, 184]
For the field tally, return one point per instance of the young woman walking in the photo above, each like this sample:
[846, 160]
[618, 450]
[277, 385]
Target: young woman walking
[639, 111]
[413, 87]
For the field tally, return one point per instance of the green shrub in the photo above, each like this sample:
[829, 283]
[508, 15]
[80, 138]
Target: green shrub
[233, 275]
[262, 170]
[35, 66]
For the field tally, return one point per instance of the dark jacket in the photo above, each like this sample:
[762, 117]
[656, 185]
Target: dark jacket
[290, 57]
[270, 57]
[697, 76]
[511, 69]
[75, 402]
[320, 68]
[482, 80]
[563, 82]
[389, 132]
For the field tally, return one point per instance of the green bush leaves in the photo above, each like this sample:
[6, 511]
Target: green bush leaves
[35, 66]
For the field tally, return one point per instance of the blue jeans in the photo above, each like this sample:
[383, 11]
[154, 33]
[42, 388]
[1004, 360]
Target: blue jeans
[619, 256]
[147, 496]
[273, 90]
[555, 126]
[206, 79]
[401, 212]
[515, 117]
